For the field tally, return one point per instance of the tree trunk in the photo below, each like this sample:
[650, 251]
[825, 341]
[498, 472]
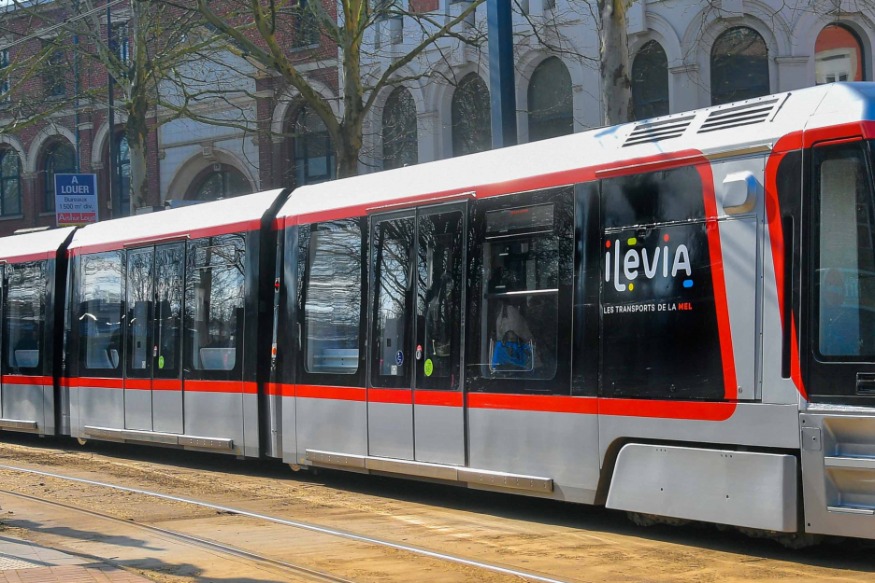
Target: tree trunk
[139, 180]
[615, 73]
[138, 109]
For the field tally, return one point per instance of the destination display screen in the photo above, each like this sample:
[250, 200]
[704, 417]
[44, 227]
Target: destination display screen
[526, 219]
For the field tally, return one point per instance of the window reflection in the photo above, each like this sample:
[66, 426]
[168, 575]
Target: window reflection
[25, 314]
[550, 108]
[439, 299]
[400, 142]
[332, 299]
[100, 311]
[214, 299]
[393, 242]
[838, 55]
[739, 66]
[472, 128]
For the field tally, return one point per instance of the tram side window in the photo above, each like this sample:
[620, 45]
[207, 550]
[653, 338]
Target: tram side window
[525, 264]
[214, 300]
[845, 270]
[25, 314]
[522, 298]
[332, 295]
[100, 312]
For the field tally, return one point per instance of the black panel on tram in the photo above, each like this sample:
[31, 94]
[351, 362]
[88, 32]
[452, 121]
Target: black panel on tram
[660, 337]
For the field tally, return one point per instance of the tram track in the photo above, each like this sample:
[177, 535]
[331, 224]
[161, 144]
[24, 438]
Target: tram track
[242, 554]
[214, 546]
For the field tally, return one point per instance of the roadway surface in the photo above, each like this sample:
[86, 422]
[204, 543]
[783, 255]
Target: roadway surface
[264, 523]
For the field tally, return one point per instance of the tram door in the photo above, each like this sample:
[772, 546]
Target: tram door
[153, 386]
[415, 401]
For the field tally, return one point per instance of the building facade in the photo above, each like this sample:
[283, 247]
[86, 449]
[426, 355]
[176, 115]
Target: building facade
[683, 55]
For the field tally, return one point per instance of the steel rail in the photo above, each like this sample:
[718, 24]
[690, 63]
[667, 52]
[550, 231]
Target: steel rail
[303, 526]
[192, 540]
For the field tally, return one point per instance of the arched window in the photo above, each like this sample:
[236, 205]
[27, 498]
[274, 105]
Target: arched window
[550, 102]
[400, 141]
[739, 66]
[838, 55]
[10, 183]
[218, 181]
[472, 127]
[60, 158]
[650, 82]
[313, 150]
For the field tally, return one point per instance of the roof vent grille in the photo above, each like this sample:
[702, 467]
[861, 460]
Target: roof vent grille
[741, 115]
[658, 130]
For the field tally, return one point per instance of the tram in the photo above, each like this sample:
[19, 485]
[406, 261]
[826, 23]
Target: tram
[673, 317]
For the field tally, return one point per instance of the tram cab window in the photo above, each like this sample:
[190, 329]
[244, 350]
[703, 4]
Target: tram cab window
[25, 316]
[100, 313]
[838, 292]
[523, 316]
[332, 295]
[845, 270]
[214, 299]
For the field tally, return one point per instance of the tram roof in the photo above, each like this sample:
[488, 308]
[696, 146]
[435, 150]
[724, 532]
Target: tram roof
[241, 213]
[33, 246]
[709, 131]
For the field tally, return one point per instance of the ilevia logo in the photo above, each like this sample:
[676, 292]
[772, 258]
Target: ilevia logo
[645, 262]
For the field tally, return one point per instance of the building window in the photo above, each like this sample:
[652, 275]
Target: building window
[121, 42]
[306, 24]
[60, 158]
[10, 183]
[389, 28]
[650, 82]
[400, 140]
[472, 127]
[4, 76]
[122, 174]
[54, 71]
[838, 55]
[313, 150]
[739, 66]
[550, 102]
[217, 182]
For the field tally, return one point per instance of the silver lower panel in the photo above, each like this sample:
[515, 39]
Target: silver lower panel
[28, 408]
[17, 425]
[151, 437]
[431, 471]
[750, 489]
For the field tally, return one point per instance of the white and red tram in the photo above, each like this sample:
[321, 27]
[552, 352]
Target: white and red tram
[672, 317]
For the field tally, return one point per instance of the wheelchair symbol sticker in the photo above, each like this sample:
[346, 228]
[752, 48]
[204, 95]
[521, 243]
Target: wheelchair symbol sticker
[399, 358]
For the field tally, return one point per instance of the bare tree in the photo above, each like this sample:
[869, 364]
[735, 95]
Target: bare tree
[140, 45]
[255, 30]
[614, 61]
